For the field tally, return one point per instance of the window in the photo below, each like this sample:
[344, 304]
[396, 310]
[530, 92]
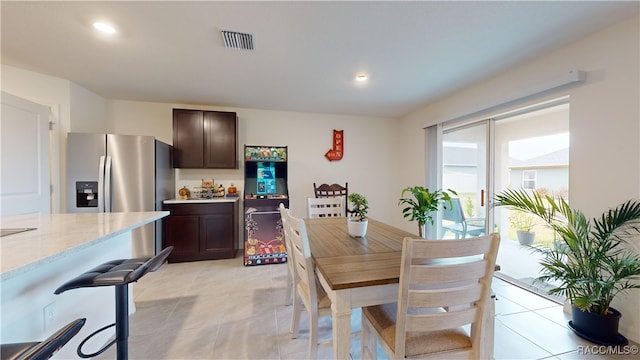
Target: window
[529, 179]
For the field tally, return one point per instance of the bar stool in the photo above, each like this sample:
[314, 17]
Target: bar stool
[40, 350]
[117, 273]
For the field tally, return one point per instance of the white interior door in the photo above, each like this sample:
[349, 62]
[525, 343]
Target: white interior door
[24, 157]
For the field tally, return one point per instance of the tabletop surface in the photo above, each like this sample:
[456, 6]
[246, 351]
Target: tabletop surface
[348, 262]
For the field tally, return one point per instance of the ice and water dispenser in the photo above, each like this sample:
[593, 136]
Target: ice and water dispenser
[86, 194]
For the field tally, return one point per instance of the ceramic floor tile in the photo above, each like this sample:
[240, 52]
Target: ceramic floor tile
[505, 306]
[552, 337]
[523, 297]
[184, 344]
[223, 310]
[509, 345]
[555, 314]
[152, 316]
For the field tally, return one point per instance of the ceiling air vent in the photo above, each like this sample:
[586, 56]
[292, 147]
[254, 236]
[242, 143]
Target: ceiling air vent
[237, 40]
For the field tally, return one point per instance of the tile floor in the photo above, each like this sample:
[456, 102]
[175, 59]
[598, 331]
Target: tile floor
[223, 310]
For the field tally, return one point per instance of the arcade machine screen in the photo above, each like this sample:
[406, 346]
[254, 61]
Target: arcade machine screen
[266, 178]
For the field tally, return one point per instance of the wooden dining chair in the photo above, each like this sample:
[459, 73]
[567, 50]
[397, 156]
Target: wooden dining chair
[309, 292]
[334, 190]
[290, 293]
[325, 207]
[444, 285]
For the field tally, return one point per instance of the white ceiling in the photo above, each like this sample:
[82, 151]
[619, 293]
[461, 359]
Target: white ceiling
[306, 52]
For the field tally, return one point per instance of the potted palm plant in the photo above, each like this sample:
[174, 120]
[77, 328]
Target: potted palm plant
[591, 266]
[523, 223]
[422, 203]
[357, 223]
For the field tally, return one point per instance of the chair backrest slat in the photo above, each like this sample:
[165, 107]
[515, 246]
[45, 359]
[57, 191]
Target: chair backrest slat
[447, 273]
[441, 321]
[442, 249]
[444, 297]
[325, 207]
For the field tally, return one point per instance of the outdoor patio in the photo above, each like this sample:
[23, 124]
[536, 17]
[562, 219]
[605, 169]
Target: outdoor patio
[520, 265]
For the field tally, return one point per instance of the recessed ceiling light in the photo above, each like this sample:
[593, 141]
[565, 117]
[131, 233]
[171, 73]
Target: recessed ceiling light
[103, 27]
[361, 77]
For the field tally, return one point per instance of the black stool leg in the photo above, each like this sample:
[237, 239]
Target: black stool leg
[122, 321]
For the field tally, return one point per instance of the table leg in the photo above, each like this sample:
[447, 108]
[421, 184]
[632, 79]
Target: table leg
[341, 318]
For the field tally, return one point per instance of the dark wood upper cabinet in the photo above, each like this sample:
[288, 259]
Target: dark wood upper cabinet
[204, 139]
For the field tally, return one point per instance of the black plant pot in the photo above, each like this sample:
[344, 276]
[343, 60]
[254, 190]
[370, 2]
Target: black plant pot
[600, 329]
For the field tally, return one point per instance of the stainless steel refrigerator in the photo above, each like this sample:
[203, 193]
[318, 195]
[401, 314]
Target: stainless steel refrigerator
[120, 173]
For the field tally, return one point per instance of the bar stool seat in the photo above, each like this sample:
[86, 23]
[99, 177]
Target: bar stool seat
[40, 350]
[117, 273]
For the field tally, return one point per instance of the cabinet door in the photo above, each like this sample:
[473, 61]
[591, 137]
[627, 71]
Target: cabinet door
[220, 149]
[217, 236]
[188, 139]
[183, 233]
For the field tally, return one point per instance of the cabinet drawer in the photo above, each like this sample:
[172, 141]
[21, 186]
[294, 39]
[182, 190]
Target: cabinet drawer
[200, 208]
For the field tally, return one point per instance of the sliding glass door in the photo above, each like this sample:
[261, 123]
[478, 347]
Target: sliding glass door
[525, 149]
[465, 164]
[531, 153]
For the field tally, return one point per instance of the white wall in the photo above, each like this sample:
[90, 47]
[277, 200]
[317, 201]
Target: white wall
[88, 111]
[604, 124]
[139, 118]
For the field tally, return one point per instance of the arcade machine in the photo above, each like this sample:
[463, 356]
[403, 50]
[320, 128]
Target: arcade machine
[265, 187]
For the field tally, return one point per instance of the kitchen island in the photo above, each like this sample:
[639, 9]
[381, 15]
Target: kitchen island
[55, 249]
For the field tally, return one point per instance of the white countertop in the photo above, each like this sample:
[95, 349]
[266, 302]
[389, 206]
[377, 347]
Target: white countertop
[57, 235]
[202, 201]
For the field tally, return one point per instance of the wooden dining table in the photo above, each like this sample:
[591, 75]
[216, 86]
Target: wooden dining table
[357, 272]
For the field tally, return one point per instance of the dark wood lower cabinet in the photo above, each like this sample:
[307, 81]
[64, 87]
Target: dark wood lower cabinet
[201, 231]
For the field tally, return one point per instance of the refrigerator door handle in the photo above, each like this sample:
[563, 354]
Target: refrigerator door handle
[101, 184]
[107, 185]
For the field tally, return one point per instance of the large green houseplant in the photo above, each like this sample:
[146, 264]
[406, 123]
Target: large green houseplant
[422, 203]
[590, 265]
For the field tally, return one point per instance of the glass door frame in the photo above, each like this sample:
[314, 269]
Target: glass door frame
[486, 194]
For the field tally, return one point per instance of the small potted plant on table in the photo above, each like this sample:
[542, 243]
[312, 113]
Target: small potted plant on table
[357, 223]
[590, 265]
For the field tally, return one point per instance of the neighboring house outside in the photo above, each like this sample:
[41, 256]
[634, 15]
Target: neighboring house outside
[548, 173]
